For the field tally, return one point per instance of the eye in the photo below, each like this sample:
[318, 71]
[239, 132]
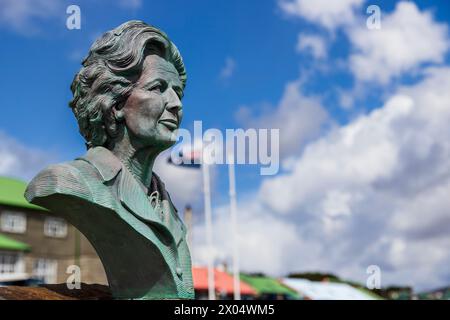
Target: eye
[157, 87]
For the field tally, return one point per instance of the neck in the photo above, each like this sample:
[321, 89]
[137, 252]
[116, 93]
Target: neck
[139, 161]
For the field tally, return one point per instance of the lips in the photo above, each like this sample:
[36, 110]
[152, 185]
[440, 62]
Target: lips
[169, 123]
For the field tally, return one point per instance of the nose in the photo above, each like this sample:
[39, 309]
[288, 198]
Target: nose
[173, 103]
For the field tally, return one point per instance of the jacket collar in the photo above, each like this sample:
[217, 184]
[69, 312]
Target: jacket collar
[106, 163]
[131, 194]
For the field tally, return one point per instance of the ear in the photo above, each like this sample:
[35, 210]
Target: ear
[117, 113]
[112, 119]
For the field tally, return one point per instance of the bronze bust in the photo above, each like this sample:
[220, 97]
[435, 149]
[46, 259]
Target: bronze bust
[127, 101]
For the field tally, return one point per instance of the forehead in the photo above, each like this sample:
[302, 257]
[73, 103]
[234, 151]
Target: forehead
[155, 67]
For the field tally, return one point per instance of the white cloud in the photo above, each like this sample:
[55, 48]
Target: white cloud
[265, 242]
[408, 38]
[18, 160]
[316, 45]
[374, 191]
[363, 151]
[299, 117]
[21, 15]
[329, 14]
[228, 69]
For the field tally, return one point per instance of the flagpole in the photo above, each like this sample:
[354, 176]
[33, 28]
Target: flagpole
[233, 212]
[207, 198]
[188, 222]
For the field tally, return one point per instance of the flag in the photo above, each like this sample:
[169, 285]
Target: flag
[187, 158]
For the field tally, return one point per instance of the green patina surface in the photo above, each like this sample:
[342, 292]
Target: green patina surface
[267, 285]
[11, 244]
[127, 102]
[11, 193]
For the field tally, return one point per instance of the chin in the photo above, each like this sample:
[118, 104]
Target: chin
[168, 145]
[164, 143]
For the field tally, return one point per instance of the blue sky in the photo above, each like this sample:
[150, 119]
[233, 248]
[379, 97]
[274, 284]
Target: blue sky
[353, 176]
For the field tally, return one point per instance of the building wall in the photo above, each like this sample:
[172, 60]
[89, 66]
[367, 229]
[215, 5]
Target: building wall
[62, 250]
[90, 266]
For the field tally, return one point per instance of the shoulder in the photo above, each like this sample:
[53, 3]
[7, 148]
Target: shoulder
[64, 178]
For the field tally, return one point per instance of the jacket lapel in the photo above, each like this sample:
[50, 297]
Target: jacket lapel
[172, 221]
[135, 200]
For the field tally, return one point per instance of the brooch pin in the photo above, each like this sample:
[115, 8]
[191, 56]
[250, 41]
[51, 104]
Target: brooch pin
[156, 203]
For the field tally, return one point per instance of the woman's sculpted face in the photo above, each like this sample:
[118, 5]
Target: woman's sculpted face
[153, 111]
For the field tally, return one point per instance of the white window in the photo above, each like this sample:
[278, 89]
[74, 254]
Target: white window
[55, 227]
[14, 222]
[8, 262]
[45, 270]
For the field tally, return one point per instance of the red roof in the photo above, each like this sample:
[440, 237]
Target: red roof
[222, 280]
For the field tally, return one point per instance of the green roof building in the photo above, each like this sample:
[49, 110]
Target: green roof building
[269, 288]
[8, 244]
[36, 245]
[11, 194]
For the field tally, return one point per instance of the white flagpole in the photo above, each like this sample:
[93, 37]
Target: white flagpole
[188, 222]
[233, 212]
[207, 196]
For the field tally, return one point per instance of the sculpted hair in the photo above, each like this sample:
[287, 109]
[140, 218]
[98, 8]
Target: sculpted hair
[109, 72]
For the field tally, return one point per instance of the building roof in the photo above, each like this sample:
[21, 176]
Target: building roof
[267, 285]
[11, 244]
[222, 280]
[441, 293]
[11, 193]
[318, 290]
